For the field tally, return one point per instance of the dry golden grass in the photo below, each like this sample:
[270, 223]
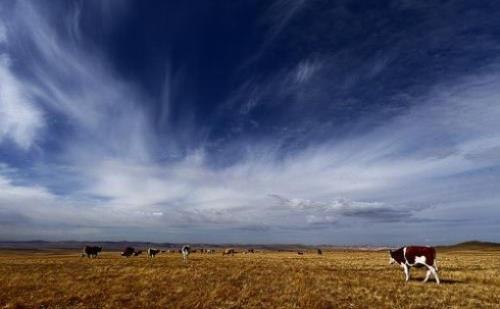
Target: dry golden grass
[339, 279]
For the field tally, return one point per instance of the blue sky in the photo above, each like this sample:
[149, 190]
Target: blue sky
[319, 122]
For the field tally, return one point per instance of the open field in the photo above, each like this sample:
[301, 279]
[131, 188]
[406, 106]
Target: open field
[337, 279]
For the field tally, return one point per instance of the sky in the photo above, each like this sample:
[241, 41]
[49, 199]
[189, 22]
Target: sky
[253, 121]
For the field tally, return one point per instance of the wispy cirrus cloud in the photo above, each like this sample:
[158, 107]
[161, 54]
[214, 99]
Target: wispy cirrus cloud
[322, 149]
[20, 118]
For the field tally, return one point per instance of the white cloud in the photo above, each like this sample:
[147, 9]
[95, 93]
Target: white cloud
[432, 157]
[306, 70]
[20, 119]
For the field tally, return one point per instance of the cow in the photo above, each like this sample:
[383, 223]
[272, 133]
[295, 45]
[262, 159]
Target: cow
[129, 251]
[186, 250]
[251, 250]
[91, 252]
[320, 252]
[138, 252]
[210, 251]
[152, 252]
[229, 251]
[300, 252]
[417, 256]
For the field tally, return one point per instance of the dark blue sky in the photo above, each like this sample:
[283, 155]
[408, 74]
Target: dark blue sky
[250, 121]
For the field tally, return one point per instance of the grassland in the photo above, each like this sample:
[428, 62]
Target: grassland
[336, 279]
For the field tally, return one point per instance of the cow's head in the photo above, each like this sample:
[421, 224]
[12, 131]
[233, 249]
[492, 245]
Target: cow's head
[392, 259]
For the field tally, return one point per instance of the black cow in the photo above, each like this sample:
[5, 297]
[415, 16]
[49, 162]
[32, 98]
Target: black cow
[129, 251]
[152, 252]
[91, 252]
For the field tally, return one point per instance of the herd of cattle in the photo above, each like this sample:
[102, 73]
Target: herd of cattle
[406, 257]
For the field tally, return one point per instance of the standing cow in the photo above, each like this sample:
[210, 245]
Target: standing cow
[229, 251]
[186, 250]
[129, 251]
[91, 252]
[418, 257]
[152, 252]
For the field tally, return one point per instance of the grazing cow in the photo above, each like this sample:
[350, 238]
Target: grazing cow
[320, 252]
[129, 251]
[152, 252]
[210, 251]
[138, 252]
[91, 252]
[418, 257]
[229, 251]
[251, 250]
[186, 250]
[300, 252]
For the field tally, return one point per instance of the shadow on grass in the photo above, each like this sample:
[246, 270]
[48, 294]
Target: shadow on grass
[451, 281]
[432, 281]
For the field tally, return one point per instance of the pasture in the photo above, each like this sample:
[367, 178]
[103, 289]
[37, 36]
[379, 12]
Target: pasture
[336, 279]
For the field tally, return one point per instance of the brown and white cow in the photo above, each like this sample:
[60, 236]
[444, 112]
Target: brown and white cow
[408, 257]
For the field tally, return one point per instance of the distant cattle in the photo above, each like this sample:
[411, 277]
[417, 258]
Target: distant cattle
[128, 251]
[229, 251]
[408, 257]
[300, 252]
[138, 252]
[210, 251]
[320, 252]
[91, 252]
[251, 250]
[152, 252]
[186, 250]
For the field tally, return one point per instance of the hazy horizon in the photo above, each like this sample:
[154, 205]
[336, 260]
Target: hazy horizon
[308, 121]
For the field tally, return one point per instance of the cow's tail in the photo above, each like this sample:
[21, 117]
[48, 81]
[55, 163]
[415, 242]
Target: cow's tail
[435, 260]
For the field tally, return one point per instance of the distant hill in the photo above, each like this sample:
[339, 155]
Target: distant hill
[119, 245]
[474, 244]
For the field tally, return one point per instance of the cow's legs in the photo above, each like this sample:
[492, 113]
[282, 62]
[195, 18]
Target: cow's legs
[427, 275]
[434, 273]
[407, 272]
